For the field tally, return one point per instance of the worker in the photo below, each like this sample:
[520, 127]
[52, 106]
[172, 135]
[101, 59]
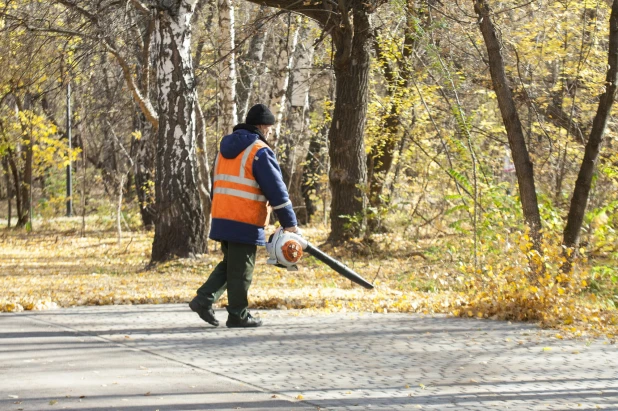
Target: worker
[247, 184]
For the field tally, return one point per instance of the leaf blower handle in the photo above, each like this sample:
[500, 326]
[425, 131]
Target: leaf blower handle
[338, 266]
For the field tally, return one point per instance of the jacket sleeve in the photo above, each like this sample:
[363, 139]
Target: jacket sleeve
[268, 175]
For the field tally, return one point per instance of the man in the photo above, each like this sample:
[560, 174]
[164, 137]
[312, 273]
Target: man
[247, 180]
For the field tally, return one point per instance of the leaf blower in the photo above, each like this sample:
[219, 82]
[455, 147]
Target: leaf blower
[285, 249]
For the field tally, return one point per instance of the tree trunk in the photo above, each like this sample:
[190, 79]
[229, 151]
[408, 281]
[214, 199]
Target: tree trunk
[9, 190]
[312, 170]
[203, 175]
[579, 201]
[17, 187]
[84, 164]
[27, 186]
[24, 191]
[350, 27]
[381, 155]
[348, 171]
[119, 208]
[228, 73]
[179, 229]
[297, 120]
[144, 171]
[251, 65]
[278, 101]
[145, 147]
[512, 123]
[379, 162]
[108, 160]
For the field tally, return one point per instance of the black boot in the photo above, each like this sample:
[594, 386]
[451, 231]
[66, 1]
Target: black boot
[234, 321]
[206, 313]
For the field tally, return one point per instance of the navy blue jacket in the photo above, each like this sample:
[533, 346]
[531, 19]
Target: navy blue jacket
[267, 173]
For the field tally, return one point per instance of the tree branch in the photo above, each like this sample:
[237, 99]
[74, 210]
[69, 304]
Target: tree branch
[90, 16]
[140, 6]
[309, 8]
[144, 103]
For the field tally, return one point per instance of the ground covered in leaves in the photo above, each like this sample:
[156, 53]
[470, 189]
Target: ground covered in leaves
[57, 266]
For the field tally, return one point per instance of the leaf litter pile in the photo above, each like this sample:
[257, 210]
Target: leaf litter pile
[54, 268]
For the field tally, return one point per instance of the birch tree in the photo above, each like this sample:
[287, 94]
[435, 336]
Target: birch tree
[285, 63]
[181, 226]
[251, 64]
[227, 75]
[293, 140]
[179, 230]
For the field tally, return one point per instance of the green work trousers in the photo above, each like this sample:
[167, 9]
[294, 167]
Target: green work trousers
[233, 273]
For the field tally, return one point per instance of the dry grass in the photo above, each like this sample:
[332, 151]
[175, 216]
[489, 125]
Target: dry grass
[56, 267]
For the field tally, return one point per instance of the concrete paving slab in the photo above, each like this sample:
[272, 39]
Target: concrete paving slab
[49, 366]
[297, 360]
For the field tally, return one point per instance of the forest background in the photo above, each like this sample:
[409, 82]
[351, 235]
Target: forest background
[433, 146]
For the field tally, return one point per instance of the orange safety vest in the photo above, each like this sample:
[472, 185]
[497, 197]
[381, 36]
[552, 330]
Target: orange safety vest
[236, 194]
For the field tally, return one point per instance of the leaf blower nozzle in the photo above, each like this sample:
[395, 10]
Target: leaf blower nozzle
[285, 249]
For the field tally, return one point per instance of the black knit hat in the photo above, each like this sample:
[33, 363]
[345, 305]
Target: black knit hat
[260, 114]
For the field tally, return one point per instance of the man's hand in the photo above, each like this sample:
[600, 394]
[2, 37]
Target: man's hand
[294, 230]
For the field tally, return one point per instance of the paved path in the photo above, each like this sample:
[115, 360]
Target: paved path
[164, 358]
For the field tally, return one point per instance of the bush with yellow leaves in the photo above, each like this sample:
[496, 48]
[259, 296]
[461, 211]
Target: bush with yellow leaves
[507, 288]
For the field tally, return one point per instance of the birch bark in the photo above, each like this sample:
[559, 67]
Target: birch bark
[286, 62]
[251, 65]
[298, 118]
[228, 70]
[179, 230]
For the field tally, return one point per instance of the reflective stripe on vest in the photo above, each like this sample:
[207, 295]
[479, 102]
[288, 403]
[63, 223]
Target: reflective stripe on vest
[241, 194]
[237, 195]
[239, 180]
